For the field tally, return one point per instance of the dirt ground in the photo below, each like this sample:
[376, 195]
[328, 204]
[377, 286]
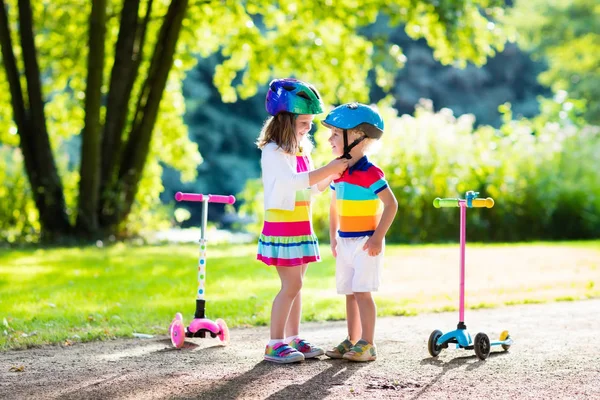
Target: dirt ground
[555, 355]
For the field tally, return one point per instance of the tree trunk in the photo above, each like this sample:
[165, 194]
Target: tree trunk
[136, 150]
[128, 56]
[87, 219]
[30, 119]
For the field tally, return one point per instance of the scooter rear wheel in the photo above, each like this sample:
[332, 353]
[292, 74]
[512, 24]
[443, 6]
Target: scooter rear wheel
[223, 335]
[177, 332]
[505, 336]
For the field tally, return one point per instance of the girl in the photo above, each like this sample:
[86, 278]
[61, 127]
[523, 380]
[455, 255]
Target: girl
[287, 240]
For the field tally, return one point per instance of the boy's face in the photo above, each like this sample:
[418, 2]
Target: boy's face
[336, 140]
[302, 125]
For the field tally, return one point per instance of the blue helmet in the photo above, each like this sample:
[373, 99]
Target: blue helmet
[356, 115]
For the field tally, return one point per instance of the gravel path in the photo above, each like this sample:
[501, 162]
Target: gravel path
[553, 357]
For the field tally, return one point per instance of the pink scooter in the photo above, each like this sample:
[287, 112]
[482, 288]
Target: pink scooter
[200, 325]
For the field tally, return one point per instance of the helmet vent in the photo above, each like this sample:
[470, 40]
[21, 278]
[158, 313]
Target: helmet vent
[303, 95]
[289, 88]
[353, 106]
[315, 92]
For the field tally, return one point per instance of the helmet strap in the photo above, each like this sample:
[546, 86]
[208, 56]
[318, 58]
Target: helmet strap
[352, 145]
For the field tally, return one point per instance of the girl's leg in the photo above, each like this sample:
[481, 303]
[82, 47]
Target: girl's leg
[292, 327]
[368, 315]
[291, 283]
[353, 319]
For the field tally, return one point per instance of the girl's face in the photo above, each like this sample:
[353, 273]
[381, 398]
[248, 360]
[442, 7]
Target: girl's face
[336, 140]
[302, 125]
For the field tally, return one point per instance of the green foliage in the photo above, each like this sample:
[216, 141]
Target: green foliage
[256, 40]
[224, 132]
[509, 76]
[567, 35]
[543, 177]
[18, 215]
[319, 41]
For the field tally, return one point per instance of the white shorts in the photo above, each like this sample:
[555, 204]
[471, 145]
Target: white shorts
[355, 269]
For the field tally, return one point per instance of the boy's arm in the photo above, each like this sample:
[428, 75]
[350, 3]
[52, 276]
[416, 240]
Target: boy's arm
[374, 244]
[390, 207]
[333, 223]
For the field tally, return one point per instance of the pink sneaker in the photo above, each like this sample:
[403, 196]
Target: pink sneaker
[283, 354]
[306, 348]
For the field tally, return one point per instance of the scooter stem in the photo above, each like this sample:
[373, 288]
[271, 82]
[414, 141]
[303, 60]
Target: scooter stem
[463, 239]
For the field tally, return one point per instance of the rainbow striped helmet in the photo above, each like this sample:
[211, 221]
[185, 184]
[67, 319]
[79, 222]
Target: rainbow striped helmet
[293, 96]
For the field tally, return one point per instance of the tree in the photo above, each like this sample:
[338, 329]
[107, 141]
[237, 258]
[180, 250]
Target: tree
[101, 70]
[567, 35]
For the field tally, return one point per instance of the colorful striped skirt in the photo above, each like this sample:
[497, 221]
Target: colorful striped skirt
[287, 238]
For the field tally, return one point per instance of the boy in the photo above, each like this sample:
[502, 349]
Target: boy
[362, 209]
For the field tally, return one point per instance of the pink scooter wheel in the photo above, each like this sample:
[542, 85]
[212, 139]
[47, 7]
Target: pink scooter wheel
[177, 331]
[223, 335]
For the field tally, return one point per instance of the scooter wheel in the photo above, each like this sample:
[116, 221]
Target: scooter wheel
[177, 331]
[224, 331]
[504, 336]
[482, 346]
[432, 346]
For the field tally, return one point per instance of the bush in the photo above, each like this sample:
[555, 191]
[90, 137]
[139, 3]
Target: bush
[543, 177]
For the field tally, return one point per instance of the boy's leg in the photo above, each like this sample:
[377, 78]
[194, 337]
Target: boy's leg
[368, 315]
[343, 276]
[353, 319]
[292, 327]
[366, 279]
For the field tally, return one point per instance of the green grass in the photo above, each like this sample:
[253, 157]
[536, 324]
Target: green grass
[80, 294]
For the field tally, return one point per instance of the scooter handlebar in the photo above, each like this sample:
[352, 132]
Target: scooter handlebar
[212, 198]
[437, 203]
[488, 203]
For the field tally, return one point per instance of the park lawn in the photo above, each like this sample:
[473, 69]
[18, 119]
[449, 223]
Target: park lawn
[67, 295]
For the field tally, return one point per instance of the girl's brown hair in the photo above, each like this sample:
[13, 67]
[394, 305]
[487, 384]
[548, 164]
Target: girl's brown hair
[279, 130]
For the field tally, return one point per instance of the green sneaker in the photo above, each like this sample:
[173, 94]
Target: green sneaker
[339, 350]
[362, 351]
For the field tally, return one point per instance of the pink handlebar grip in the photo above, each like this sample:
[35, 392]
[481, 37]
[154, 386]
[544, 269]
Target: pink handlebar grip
[212, 198]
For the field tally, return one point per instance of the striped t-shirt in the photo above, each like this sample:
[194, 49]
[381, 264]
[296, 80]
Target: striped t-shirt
[358, 206]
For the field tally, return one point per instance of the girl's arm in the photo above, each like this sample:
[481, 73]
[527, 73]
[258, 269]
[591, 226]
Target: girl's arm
[274, 162]
[333, 223]
[324, 184]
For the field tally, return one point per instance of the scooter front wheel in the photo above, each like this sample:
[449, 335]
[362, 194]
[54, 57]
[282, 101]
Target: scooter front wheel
[482, 347]
[223, 334]
[432, 346]
[177, 332]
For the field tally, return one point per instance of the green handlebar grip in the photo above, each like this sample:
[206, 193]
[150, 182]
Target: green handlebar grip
[437, 203]
[489, 202]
